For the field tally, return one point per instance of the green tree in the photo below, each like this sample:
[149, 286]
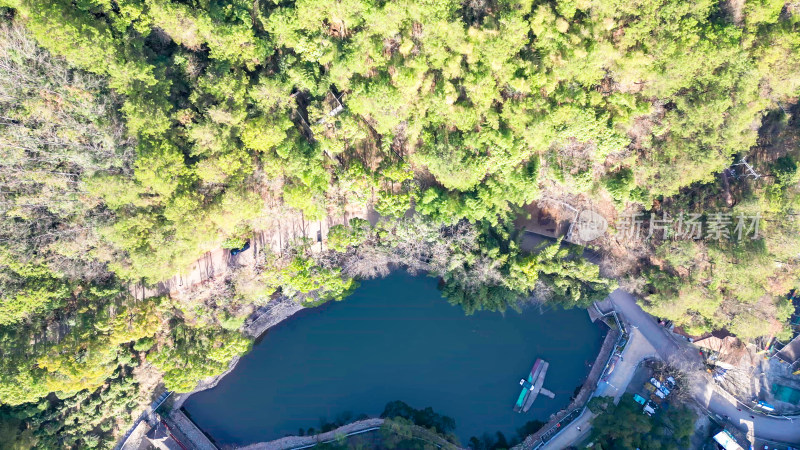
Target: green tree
[624, 426]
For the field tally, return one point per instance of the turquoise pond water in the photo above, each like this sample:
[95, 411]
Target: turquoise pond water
[396, 339]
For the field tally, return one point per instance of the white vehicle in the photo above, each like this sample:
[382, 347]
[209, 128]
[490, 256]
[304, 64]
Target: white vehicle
[655, 383]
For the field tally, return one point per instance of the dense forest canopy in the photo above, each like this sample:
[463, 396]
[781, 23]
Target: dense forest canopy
[139, 134]
[624, 426]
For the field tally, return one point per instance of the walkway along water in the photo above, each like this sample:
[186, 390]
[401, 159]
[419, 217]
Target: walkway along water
[301, 442]
[561, 419]
[351, 429]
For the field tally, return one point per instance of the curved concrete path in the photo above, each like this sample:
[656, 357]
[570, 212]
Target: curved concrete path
[671, 349]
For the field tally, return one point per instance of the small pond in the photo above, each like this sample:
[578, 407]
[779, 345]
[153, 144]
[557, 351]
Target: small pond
[396, 339]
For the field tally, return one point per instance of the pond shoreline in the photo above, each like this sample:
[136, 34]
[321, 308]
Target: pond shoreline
[281, 309]
[295, 441]
[587, 388]
[259, 322]
[255, 327]
[423, 308]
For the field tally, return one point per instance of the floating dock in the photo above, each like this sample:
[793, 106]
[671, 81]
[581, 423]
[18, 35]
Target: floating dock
[532, 387]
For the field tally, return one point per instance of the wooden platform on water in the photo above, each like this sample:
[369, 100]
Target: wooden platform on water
[536, 379]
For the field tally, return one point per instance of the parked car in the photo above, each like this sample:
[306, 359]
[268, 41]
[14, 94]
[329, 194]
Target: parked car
[639, 399]
[671, 382]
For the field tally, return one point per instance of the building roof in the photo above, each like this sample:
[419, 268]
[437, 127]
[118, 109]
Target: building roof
[727, 441]
[727, 352]
[160, 437]
[791, 352]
